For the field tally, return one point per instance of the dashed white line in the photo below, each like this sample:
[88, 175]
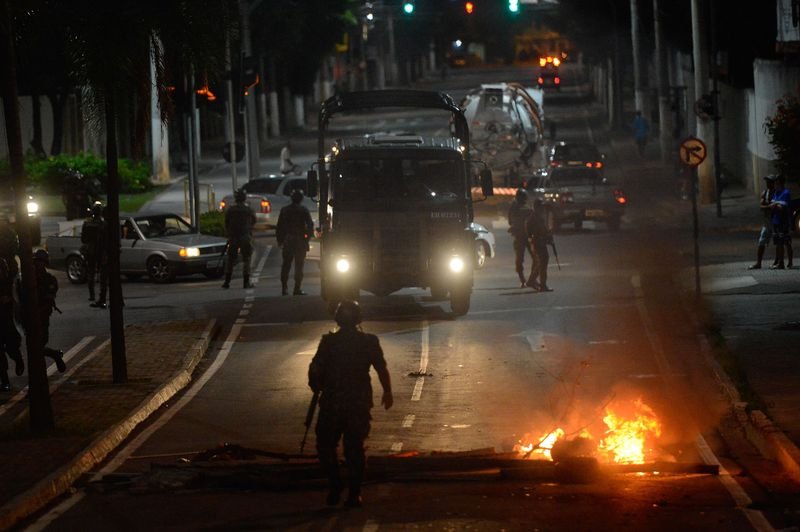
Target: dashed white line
[397, 447]
[408, 422]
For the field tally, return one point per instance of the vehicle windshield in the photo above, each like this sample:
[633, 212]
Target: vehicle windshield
[562, 177]
[163, 225]
[359, 181]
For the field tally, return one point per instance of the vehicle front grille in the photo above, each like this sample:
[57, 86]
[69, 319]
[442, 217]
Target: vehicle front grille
[212, 250]
[398, 251]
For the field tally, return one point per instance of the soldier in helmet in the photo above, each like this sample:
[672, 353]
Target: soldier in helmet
[47, 288]
[293, 232]
[540, 237]
[517, 213]
[10, 339]
[94, 239]
[340, 372]
[239, 222]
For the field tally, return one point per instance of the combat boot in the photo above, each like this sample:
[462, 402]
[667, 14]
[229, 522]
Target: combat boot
[227, 283]
[297, 291]
[284, 289]
[246, 283]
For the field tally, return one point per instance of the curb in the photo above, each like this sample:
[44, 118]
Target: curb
[59, 482]
[759, 430]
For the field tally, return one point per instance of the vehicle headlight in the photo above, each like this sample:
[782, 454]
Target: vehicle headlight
[189, 252]
[33, 208]
[343, 265]
[456, 264]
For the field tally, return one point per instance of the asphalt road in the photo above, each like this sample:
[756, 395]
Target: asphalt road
[517, 366]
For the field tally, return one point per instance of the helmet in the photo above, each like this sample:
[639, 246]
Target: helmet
[97, 209]
[240, 195]
[297, 195]
[42, 255]
[348, 314]
[521, 195]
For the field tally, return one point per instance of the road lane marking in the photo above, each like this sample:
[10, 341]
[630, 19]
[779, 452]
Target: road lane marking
[247, 305]
[74, 350]
[408, 422]
[397, 447]
[423, 361]
[127, 451]
[740, 497]
[244, 312]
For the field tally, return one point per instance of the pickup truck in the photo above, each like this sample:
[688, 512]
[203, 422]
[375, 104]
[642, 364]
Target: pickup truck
[161, 246]
[267, 195]
[575, 194]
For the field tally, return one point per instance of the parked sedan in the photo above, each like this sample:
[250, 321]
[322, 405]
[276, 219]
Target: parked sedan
[571, 154]
[161, 246]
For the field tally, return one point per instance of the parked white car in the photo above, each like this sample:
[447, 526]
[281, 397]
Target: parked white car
[267, 195]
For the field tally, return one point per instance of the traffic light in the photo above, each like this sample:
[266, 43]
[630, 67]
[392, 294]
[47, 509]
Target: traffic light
[408, 7]
[469, 7]
[513, 6]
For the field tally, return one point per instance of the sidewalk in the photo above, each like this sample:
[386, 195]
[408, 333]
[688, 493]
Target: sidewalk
[751, 317]
[92, 414]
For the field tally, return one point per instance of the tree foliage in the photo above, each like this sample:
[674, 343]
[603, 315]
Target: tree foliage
[783, 131]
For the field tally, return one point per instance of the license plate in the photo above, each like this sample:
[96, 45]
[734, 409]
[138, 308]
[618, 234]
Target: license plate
[594, 213]
[214, 264]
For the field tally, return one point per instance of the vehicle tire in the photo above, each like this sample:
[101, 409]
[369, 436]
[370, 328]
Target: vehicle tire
[159, 270]
[76, 269]
[613, 223]
[481, 252]
[459, 301]
[438, 293]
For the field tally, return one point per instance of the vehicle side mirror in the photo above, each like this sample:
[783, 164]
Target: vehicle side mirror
[312, 183]
[487, 187]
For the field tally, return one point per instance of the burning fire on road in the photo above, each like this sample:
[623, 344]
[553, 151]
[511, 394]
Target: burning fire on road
[631, 434]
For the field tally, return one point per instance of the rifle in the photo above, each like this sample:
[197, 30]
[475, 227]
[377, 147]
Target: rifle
[555, 254]
[312, 407]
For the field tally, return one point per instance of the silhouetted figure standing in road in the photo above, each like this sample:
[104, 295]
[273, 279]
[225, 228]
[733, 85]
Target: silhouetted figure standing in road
[540, 237]
[239, 222]
[94, 239]
[293, 232]
[517, 214]
[641, 130]
[340, 372]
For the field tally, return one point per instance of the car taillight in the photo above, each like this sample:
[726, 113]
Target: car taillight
[588, 165]
[566, 197]
[540, 80]
[619, 195]
[266, 207]
[557, 80]
[555, 164]
[598, 164]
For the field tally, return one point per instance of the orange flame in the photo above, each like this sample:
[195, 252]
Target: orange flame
[628, 438]
[540, 450]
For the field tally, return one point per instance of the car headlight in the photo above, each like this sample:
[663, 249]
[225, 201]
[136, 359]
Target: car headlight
[456, 264]
[33, 208]
[343, 265]
[189, 252]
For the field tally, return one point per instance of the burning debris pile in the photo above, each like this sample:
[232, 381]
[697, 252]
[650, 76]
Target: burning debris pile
[631, 436]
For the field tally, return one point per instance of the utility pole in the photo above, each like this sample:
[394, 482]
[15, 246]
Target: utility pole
[251, 120]
[637, 75]
[230, 111]
[664, 115]
[704, 130]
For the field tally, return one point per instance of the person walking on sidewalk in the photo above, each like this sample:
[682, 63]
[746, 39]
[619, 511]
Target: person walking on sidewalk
[781, 223]
[239, 222]
[540, 237]
[94, 237]
[287, 165]
[293, 232]
[339, 371]
[641, 129]
[46, 288]
[765, 204]
[10, 340]
[517, 214]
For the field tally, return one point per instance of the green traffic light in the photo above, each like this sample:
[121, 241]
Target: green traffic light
[408, 7]
[513, 6]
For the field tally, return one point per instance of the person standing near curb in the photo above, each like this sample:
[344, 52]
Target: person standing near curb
[781, 223]
[239, 222]
[765, 236]
[94, 249]
[339, 371]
